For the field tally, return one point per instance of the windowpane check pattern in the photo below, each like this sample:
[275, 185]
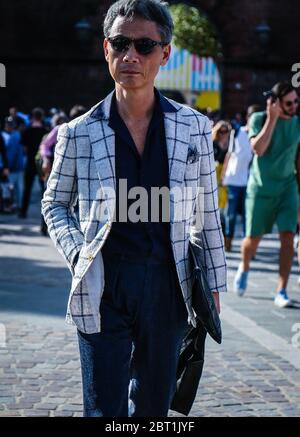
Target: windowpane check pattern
[84, 171]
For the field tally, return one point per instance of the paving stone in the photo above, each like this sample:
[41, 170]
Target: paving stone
[7, 400]
[62, 413]
[25, 365]
[9, 381]
[277, 399]
[72, 407]
[30, 398]
[35, 413]
[32, 388]
[56, 400]
[45, 406]
[19, 406]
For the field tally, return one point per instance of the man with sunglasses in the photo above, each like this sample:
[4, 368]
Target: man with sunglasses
[132, 279]
[272, 192]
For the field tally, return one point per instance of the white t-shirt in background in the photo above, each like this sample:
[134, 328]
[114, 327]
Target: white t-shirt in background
[237, 171]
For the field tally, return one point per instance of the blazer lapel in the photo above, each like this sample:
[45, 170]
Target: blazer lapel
[102, 140]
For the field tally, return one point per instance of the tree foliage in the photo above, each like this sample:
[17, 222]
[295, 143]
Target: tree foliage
[194, 32]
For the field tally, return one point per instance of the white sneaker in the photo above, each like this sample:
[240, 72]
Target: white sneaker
[240, 282]
[296, 241]
[282, 300]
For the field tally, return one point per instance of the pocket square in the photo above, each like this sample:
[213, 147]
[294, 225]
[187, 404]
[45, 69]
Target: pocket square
[193, 156]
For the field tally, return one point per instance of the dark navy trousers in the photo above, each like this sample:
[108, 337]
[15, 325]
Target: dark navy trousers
[129, 368]
[236, 205]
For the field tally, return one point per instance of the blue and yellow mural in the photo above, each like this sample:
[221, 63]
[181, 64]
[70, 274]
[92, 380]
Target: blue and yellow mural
[188, 72]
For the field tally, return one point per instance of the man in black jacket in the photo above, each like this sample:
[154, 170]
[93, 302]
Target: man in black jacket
[31, 140]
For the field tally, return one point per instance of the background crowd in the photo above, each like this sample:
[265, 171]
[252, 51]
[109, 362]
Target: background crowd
[27, 143]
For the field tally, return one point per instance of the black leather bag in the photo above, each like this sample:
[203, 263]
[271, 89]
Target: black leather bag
[203, 301]
[189, 370]
[191, 359]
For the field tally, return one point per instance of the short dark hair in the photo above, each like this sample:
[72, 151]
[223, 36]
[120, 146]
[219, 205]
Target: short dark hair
[281, 89]
[151, 10]
[38, 114]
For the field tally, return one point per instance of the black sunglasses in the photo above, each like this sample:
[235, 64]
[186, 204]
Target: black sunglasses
[144, 46]
[290, 102]
[223, 131]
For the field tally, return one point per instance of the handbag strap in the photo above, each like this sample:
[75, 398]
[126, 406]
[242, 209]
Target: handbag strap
[197, 266]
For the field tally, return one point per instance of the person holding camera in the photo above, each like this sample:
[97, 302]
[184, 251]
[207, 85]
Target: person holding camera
[272, 191]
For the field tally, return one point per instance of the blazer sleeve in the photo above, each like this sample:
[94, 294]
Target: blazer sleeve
[207, 231]
[60, 198]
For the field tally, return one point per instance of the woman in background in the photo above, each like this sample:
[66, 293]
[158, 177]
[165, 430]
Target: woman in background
[221, 137]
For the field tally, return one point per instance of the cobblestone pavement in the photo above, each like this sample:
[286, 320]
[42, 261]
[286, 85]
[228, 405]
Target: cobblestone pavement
[255, 372]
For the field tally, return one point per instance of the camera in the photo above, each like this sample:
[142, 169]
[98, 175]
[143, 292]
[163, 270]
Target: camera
[268, 94]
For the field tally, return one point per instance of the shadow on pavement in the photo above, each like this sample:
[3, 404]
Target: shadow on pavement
[33, 286]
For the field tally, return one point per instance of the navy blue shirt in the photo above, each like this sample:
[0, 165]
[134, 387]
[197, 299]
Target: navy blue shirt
[149, 240]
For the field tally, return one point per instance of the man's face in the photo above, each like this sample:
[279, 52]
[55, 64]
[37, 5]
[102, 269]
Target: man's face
[289, 103]
[130, 69]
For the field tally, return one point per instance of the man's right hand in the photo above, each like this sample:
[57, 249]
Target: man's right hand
[46, 167]
[262, 141]
[273, 109]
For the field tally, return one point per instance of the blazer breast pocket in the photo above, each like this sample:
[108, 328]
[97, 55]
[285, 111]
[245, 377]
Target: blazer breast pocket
[193, 155]
[192, 166]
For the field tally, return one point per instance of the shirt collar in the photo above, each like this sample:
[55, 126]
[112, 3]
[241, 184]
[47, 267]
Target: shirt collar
[102, 111]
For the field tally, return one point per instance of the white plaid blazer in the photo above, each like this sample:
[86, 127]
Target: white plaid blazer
[84, 166]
